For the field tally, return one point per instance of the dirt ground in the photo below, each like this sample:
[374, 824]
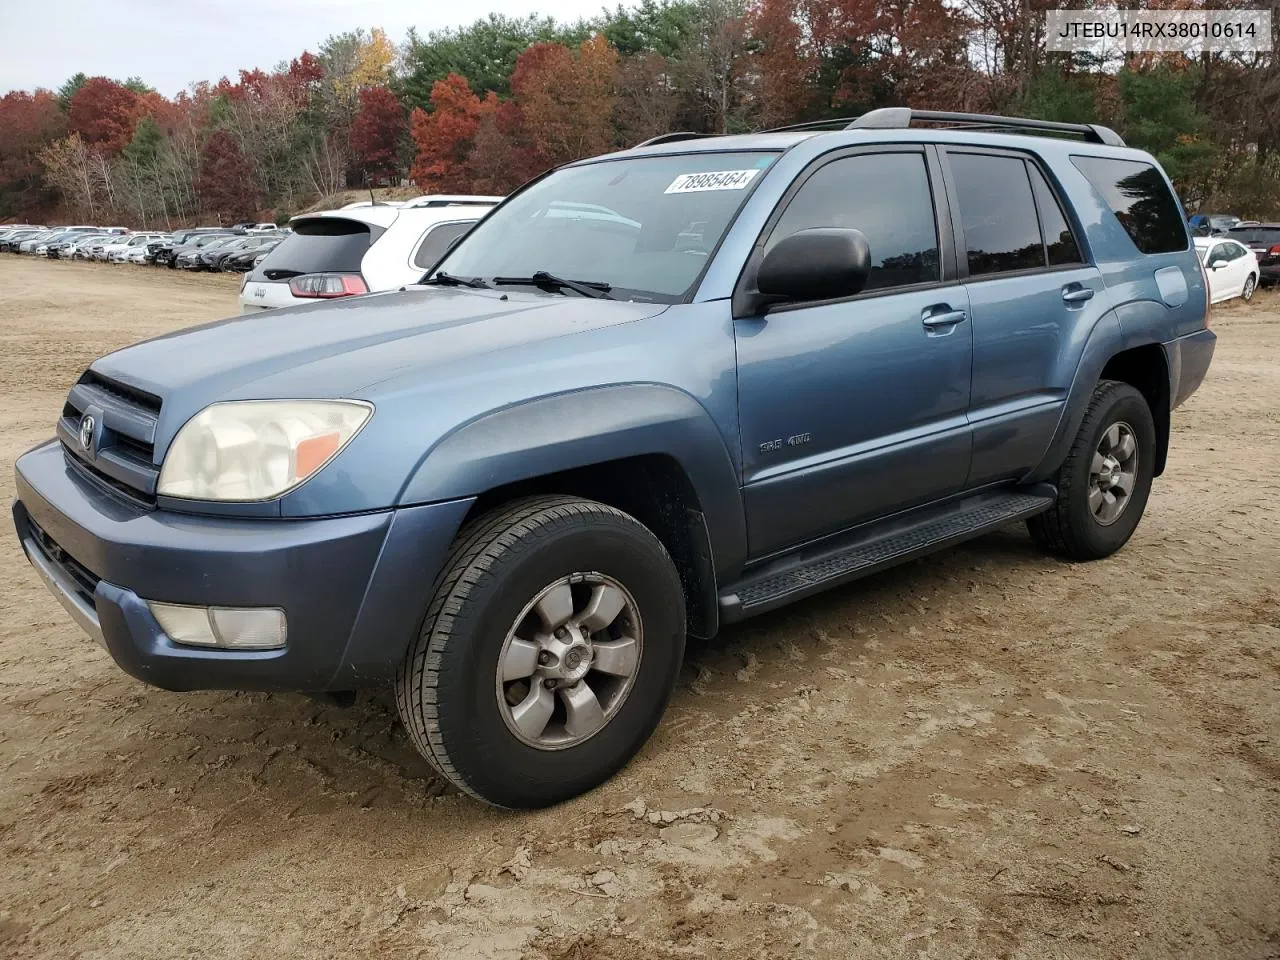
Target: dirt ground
[984, 754]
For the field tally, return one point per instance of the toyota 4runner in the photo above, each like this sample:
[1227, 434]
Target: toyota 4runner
[650, 394]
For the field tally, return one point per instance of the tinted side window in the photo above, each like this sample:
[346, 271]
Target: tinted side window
[887, 197]
[437, 241]
[1141, 201]
[997, 214]
[1059, 244]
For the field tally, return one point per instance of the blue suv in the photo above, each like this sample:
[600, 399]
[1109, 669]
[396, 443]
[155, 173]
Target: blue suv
[649, 394]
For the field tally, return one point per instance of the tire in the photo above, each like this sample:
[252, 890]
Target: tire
[448, 688]
[1072, 528]
[1250, 284]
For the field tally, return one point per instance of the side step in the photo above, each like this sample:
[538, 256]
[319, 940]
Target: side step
[875, 547]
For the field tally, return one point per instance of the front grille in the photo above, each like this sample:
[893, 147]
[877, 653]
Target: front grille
[85, 580]
[122, 454]
[122, 391]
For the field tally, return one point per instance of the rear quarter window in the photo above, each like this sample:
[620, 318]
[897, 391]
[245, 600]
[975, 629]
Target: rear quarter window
[319, 245]
[1141, 200]
[436, 242]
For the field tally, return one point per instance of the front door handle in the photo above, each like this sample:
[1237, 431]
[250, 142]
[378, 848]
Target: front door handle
[1076, 294]
[942, 316]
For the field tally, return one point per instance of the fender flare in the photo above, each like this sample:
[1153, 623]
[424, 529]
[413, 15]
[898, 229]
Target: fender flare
[1109, 337]
[580, 428]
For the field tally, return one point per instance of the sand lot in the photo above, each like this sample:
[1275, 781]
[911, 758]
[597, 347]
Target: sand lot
[985, 754]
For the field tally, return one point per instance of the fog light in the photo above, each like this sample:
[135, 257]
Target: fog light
[235, 628]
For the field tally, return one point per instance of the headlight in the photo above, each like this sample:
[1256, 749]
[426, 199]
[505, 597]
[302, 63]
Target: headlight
[257, 449]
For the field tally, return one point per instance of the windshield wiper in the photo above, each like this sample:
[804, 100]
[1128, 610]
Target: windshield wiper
[449, 280]
[588, 288]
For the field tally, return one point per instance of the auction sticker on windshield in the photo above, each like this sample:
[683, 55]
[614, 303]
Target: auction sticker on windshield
[711, 180]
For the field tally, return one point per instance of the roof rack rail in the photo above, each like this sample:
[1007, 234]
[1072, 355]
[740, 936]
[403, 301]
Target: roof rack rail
[673, 138]
[839, 123]
[899, 118]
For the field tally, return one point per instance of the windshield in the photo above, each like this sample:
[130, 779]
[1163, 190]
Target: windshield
[645, 226]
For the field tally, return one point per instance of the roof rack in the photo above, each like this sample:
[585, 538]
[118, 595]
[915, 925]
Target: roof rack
[836, 123]
[673, 138]
[899, 118]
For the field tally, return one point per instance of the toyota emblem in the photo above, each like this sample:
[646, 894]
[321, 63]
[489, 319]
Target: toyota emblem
[86, 432]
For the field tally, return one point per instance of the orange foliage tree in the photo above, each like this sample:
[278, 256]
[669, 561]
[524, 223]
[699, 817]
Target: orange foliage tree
[566, 98]
[444, 138]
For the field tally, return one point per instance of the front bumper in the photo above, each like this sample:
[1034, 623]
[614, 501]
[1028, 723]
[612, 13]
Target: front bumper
[353, 588]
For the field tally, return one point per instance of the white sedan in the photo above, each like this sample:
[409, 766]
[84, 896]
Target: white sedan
[119, 252]
[1231, 267]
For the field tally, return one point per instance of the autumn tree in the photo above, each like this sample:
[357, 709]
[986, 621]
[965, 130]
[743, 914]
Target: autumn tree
[30, 122]
[782, 61]
[68, 167]
[103, 113]
[377, 134]
[444, 138]
[226, 184]
[567, 97]
[355, 61]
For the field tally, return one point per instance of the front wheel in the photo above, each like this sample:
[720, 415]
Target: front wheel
[1104, 483]
[549, 650]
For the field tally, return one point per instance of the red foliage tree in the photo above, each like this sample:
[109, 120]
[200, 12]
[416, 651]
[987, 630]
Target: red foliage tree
[226, 183]
[30, 122]
[104, 113]
[783, 64]
[377, 132]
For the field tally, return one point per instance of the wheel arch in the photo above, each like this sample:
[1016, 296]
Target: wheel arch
[1146, 369]
[1138, 359]
[647, 449]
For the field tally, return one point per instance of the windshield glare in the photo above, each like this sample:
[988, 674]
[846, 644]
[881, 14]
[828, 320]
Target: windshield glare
[646, 226]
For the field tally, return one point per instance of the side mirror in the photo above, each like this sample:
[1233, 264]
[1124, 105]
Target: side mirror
[821, 263]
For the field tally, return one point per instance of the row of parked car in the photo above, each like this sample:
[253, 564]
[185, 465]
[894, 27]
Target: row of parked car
[233, 249]
[363, 247]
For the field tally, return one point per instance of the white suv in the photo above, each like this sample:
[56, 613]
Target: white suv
[362, 248]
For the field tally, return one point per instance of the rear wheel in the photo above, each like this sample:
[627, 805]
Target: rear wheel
[1104, 483]
[549, 650]
[1250, 284]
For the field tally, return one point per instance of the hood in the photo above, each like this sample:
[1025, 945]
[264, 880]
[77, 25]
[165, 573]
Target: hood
[343, 348]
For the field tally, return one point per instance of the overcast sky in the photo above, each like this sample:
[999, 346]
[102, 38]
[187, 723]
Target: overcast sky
[171, 44]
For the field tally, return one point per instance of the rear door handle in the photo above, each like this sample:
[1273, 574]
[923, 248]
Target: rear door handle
[945, 318]
[1076, 294]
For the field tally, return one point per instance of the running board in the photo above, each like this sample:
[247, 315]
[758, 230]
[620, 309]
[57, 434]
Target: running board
[876, 547]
